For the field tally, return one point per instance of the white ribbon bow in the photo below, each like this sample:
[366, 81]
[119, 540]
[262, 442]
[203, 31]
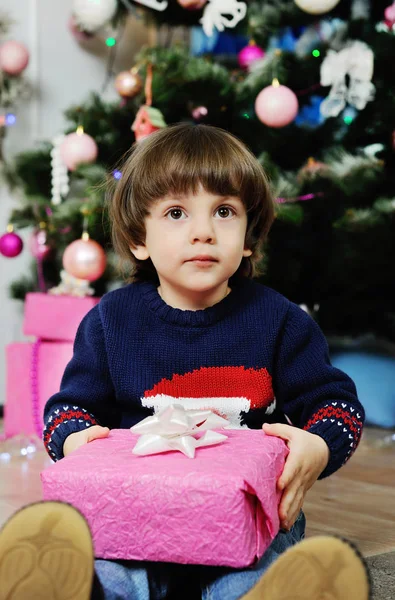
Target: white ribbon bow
[215, 11]
[356, 60]
[173, 428]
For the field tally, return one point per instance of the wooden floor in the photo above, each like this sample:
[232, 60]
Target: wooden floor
[357, 502]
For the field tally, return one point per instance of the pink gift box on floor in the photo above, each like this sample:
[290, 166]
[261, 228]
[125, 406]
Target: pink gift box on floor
[219, 508]
[47, 367]
[55, 317]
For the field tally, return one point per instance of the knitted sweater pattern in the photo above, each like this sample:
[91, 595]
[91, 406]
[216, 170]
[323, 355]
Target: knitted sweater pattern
[254, 357]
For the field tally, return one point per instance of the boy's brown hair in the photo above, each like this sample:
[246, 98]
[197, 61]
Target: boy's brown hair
[176, 160]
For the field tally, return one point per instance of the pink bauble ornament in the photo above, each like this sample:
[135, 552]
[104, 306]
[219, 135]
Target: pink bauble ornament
[389, 15]
[249, 55]
[11, 244]
[14, 57]
[199, 113]
[38, 245]
[85, 259]
[78, 148]
[128, 84]
[276, 106]
[80, 34]
[316, 7]
[192, 4]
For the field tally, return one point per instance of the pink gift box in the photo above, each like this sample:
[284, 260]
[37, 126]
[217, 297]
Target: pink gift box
[219, 508]
[55, 317]
[47, 367]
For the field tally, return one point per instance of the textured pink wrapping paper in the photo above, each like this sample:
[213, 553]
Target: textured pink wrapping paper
[219, 508]
[52, 358]
[55, 317]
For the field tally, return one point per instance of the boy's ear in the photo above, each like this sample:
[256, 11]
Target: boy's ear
[247, 252]
[139, 252]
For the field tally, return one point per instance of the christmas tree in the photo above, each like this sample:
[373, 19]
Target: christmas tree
[306, 84]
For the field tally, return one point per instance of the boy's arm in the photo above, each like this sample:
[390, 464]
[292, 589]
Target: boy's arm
[86, 395]
[314, 395]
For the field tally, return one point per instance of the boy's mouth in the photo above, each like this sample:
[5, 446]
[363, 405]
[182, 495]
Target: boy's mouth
[203, 258]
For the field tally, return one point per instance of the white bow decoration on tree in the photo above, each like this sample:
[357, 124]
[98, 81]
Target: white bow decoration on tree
[154, 4]
[356, 60]
[215, 15]
[173, 428]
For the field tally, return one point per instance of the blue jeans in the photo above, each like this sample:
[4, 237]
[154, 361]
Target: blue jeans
[121, 580]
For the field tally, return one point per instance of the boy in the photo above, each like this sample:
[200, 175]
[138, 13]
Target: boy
[190, 215]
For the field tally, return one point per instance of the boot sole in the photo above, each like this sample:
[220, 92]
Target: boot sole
[319, 568]
[46, 551]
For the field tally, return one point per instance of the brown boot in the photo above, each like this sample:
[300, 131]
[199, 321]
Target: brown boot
[46, 552]
[319, 568]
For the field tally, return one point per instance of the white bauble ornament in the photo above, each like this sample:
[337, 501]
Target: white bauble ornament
[316, 7]
[91, 15]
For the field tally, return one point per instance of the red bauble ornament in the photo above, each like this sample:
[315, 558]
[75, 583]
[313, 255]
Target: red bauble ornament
[11, 244]
[85, 259]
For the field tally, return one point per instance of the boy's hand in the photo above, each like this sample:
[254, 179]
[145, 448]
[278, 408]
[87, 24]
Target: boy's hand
[308, 456]
[79, 438]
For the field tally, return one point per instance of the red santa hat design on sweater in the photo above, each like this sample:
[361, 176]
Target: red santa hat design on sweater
[227, 391]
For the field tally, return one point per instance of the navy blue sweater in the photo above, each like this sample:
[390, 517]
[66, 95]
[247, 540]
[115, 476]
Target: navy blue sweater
[254, 357]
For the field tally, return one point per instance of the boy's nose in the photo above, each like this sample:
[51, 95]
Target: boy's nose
[202, 230]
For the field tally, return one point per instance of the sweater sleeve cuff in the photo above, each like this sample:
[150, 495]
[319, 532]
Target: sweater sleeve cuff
[340, 426]
[60, 424]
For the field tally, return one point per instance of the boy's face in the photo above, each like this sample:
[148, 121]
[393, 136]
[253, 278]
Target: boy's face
[180, 229]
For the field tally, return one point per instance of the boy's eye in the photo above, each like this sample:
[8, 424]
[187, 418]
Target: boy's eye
[175, 214]
[223, 211]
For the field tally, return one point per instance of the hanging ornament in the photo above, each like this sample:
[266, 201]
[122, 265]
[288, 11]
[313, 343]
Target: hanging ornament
[85, 259]
[80, 34]
[11, 244]
[78, 148]
[248, 55]
[148, 119]
[276, 105]
[60, 176]
[389, 15]
[217, 12]
[154, 4]
[192, 4]
[199, 113]
[14, 57]
[316, 7]
[92, 15]
[38, 245]
[128, 83]
[356, 61]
